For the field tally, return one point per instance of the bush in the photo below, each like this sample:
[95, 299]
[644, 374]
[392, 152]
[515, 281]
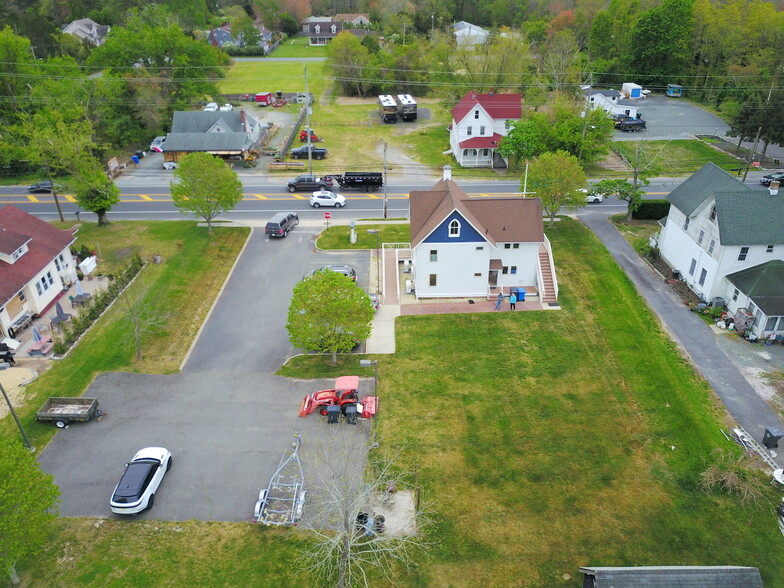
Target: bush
[652, 210]
[730, 475]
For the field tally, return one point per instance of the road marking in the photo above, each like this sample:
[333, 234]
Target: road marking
[260, 197]
[69, 198]
[145, 197]
[32, 198]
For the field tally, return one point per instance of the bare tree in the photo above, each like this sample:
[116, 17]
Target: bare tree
[139, 310]
[345, 500]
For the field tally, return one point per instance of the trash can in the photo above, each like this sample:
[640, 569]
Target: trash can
[135, 159]
[333, 414]
[772, 436]
[140, 154]
[351, 414]
[521, 295]
[514, 290]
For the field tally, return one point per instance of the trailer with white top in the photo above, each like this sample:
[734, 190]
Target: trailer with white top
[406, 107]
[387, 108]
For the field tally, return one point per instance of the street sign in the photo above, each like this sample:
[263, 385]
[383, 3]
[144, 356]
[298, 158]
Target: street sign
[327, 215]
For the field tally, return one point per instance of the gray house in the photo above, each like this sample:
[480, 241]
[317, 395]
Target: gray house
[228, 134]
[672, 577]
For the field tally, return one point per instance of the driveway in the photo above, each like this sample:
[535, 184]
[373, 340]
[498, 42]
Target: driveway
[226, 418]
[670, 118]
[690, 332]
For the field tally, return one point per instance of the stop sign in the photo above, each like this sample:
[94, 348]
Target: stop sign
[327, 215]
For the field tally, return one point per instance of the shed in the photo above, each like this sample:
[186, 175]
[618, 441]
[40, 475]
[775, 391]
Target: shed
[674, 90]
[672, 577]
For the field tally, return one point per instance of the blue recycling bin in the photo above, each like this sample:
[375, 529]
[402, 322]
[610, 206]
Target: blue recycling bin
[135, 159]
[520, 295]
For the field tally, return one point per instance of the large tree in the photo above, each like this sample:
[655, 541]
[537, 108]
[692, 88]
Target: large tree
[329, 313]
[28, 500]
[348, 60]
[206, 187]
[557, 178]
[94, 189]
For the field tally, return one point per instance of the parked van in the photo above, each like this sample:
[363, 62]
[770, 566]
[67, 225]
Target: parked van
[631, 125]
[280, 224]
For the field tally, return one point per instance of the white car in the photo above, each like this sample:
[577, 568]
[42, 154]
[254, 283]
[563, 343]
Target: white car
[327, 198]
[211, 107]
[135, 492]
[157, 144]
[226, 108]
[590, 197]
[170, 165]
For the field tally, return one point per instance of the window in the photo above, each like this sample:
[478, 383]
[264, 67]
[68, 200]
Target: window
[515, 245]
[713, 213]
[507, 245]
[433, 255]
[771, 324]
[703, 275]
[478, 275]
[57, 264]
[476, 114]
[470, 131]
[334, 29]
[432, 279]
[482, 130]
[38, 288]
[712, 246]
[686, 224]
[735, 293]
[505, 270]
[22, 297]
[692, 267]
[480, 248]
[454, 228]
[701, 237]
[744, 251]
[318, 29]
[769, 249]
[513, 269]
[485, 152]
[49, 277]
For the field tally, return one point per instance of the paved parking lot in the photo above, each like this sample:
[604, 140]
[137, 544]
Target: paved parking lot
[671, 118]
[226, 419]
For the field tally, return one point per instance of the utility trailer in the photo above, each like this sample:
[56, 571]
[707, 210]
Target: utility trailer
[281, 503]
[62, 411]
[362, 181]
[406, 107]
[387, 108]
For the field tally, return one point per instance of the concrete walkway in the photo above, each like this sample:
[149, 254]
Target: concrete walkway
[693, 336]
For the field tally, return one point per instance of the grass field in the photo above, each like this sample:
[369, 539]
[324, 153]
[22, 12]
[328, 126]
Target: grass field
[681, 157]
[193, 270]
[543, 441]
[298, 47]
[251, 77]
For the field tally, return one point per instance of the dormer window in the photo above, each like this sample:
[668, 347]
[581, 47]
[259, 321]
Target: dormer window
[317, 29]
[334, 29]
[454, 228]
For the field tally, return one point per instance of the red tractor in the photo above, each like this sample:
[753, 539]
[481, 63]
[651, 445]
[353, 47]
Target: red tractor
[303, 135]
[344, 392]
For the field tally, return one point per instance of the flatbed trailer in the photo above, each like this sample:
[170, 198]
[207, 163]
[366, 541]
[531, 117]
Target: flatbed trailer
[362, 181]
[282, 502]
[62, 411]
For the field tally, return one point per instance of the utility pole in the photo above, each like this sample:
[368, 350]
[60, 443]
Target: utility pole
[307, 123]
[385, 180]
[432, 23]
[585, 116]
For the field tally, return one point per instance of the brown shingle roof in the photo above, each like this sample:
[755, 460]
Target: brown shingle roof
[505, 220]
[45, 242]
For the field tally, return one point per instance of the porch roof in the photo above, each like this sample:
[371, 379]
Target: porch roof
[481, 142]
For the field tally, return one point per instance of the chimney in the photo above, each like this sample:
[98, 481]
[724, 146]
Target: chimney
[447, 172]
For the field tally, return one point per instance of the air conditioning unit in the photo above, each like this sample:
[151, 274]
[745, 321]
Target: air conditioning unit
[407, 266]
[409, 287]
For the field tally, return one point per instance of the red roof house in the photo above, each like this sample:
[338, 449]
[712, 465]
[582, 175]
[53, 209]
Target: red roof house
[479, 124]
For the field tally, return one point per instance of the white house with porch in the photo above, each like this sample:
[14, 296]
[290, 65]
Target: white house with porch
[611, 101]
[35, 266]
[727, 241]
[479, 122]
[464, 247]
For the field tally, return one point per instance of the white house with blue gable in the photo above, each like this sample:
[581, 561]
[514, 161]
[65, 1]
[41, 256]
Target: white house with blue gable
[476, 247]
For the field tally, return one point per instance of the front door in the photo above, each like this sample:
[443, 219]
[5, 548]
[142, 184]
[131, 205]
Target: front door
[493, 278]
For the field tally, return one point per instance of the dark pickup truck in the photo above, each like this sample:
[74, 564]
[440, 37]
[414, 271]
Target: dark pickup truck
[362, 181]
[307, 182]
[302, 152]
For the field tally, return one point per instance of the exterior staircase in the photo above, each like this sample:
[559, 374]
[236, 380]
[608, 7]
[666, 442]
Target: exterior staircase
[547, 287]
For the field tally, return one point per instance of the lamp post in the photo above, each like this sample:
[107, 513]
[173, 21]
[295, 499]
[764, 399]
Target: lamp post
[378, 259]
[368, 363]
[18, 424]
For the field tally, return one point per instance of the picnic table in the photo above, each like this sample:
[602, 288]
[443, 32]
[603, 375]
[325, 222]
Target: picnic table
[80, 299]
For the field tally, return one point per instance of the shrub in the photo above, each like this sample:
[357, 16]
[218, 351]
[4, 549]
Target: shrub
[730, 475]
[652, 210]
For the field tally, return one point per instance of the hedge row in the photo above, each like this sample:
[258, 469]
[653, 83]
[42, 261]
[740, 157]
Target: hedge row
[652, 210]
[96, 307]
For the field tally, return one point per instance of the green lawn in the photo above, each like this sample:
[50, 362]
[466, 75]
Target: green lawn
[681, 157]
[543, 441]
[193, 270]
[251, 77]
[298, 47]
